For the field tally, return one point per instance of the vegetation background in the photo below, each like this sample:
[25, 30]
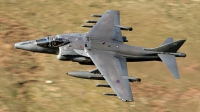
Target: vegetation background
[23, 74]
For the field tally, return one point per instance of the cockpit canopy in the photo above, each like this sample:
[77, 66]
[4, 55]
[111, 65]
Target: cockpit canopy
[52, 41]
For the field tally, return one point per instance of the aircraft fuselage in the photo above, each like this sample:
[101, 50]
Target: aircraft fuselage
[77, 41]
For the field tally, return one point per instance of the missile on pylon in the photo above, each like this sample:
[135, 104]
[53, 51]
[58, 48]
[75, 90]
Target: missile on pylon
[91, 21]
[96, 15]
[87, 26]
[103, 85]
[124, 28]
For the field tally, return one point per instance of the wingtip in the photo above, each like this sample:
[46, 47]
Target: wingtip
[176, 76]
[127, 100]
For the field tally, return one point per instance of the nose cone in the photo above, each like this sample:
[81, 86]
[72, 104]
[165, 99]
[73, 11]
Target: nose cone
[27, 45]
[18, 45]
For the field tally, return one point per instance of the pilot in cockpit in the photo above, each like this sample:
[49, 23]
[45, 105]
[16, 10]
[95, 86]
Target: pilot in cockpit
[52, 41]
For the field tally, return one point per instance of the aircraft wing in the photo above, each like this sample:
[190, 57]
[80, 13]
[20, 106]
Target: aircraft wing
[102, 46]
[107, 28]
[114, 70]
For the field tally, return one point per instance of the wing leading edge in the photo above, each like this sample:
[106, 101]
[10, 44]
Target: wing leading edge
[114, 70]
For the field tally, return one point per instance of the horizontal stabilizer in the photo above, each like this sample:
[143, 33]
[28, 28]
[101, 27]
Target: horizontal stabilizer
[170, 62]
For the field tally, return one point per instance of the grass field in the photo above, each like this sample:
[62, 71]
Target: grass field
[152, 21]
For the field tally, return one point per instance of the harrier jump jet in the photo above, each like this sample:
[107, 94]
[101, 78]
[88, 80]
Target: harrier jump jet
[103, 46]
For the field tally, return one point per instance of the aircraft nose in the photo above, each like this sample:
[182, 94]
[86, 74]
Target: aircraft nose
[27, 45]
[18, 45]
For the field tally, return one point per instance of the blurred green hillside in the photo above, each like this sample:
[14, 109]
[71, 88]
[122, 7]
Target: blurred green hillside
[23, 74]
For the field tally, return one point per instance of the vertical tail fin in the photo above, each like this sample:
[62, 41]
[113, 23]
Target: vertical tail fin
[167, 41]
[171, 47]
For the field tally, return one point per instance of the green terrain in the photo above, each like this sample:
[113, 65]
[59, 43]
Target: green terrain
[23, 74]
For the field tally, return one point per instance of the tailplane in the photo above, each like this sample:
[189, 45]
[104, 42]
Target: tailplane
[170, 62]
[168, 53]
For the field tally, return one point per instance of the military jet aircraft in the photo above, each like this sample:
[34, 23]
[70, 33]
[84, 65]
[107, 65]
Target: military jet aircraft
[104, 47]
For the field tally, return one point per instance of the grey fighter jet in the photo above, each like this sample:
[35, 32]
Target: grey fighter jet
[104, 47]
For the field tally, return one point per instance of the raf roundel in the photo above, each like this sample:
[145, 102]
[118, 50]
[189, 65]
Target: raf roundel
[118, 81]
